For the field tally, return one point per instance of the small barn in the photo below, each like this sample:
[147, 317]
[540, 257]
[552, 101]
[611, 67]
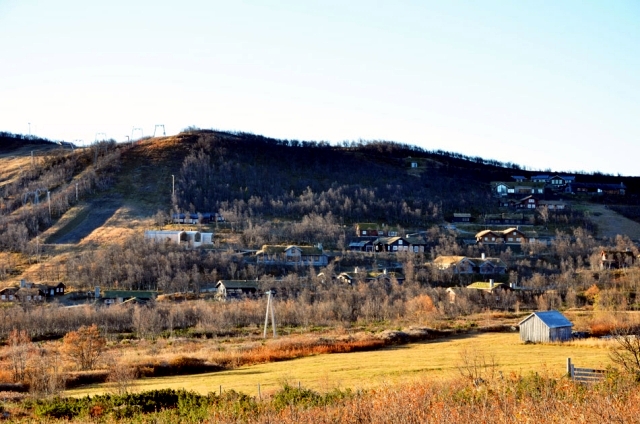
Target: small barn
[547, 326]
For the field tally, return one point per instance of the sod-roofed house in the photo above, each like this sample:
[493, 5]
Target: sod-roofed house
[230, 289]
[364, 276]
[30, 295]
[372, 229]
[114, 297]
[292, 255]
[391, 244]
[488, 286]
[546, 326]
[417, 244]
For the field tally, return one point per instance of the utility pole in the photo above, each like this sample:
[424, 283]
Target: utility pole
[173, 186]
[266, 318]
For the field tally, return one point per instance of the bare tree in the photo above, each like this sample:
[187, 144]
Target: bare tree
[19, 346]
[626, 353]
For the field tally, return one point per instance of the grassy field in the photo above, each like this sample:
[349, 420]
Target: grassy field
[438, 359]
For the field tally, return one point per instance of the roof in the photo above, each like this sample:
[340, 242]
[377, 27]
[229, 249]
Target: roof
[493, 261]
[238, 284]
[388, 240]
[552, 319]
[368, 226]
[481, 285]
[306, 250]
[448, 260]
[162, 232]
[360, 243]
[140, 294]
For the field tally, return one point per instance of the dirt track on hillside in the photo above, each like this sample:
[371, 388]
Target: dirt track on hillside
[611, 223]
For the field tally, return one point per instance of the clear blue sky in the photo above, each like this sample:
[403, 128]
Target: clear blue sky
[546, 84]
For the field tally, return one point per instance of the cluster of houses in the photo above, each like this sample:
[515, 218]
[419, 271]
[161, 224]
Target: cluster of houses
[537, 184]
[28, 292]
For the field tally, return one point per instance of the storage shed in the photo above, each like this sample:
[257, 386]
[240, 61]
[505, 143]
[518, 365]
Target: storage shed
[547, 326]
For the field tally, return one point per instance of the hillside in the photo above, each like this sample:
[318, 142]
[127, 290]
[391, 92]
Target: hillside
[268, 190]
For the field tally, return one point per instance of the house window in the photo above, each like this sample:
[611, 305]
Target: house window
[3, 297]
[493, 239]
[510, 238]
[364, 232]
[399, 241]
[518, 239]
[395, 248]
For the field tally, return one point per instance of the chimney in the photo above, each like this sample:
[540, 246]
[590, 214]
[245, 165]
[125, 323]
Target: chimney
[483, 257]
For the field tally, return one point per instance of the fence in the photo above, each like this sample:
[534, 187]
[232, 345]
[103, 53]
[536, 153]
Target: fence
[584, 375]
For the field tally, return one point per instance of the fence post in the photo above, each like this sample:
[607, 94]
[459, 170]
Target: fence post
[569, 368]
[259, 393]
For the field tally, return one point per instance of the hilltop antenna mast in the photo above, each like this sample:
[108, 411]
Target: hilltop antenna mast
[159, 125]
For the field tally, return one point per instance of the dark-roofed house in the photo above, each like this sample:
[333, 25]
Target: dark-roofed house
[461, 217]
[228, 289]
[8, 294]
[547, 326]
[292, 255]
[364, 245]
[391, 244]
[52, 290]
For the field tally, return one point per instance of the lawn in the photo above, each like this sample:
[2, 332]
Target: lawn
[439, 359]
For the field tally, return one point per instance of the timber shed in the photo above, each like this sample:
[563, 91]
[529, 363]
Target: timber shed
[547, 326]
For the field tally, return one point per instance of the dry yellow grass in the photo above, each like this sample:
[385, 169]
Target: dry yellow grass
[438, 359]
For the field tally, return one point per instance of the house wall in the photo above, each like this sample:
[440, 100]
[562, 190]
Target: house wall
[534, 330]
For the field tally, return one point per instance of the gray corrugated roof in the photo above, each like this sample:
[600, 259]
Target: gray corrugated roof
[552, 319]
